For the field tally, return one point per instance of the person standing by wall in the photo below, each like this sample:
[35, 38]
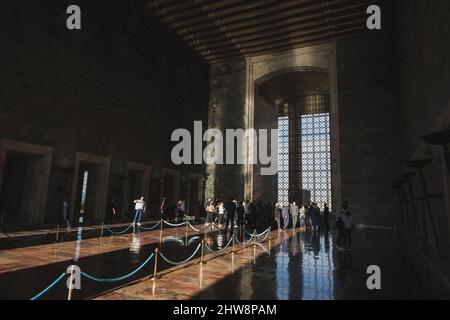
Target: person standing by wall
[347, 220]
[65, 210]
[340, 226]
[110, 211]
[294, 214]
[139, 205]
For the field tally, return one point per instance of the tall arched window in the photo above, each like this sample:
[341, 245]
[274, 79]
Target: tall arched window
[312, 138]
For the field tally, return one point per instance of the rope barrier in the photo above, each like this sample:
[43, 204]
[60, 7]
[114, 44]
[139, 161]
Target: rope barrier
[35, 237]
[244, 243]
[49, 287]
[174, 224]
[119, 278]
[220, 250]
[120, 232]
[193, 239]
[181, 262]
[262, 247]
[265, 237]
[257, 235]
[195, 229]
[150, 228]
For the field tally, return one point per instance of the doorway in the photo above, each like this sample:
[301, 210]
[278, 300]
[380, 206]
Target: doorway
[89, 189]
[136, 184]
[24, 175]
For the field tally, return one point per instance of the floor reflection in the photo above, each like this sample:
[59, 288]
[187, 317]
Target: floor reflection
[306, 266]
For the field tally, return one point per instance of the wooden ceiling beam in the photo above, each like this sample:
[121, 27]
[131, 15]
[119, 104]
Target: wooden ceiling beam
[281, 25]
[246, 15]
[280, 33]
[292, 16]
[207, 10]
[273, 47]
[262, 43]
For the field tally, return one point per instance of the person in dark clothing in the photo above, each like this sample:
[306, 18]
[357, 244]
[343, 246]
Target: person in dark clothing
[309, 211]
[259, 225]
[240, 214]
[197, 211]
[252, 215]
[230, 208]
[268, 212]
[173, 212]
[340, 225]
[326, 217]
[165, 209]
[110, 211]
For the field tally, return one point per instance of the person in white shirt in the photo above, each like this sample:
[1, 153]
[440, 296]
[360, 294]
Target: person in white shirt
[139, 207]
[303, 217]
[294, 213]
[221, 213]
[209, 213]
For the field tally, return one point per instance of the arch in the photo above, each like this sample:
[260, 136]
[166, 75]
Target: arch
[321, 59]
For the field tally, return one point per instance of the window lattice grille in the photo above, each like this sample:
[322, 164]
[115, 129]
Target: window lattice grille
[283, 159]
[314, 138]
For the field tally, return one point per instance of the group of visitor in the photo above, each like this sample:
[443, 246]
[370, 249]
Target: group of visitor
[251, 215]
[307, 217]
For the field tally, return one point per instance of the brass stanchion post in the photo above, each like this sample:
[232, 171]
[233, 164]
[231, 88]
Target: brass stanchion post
[232, 244]
[69, 294]
[202, 261]
[270, 244]
[160, 231]
[232, 261]
[186, 228]
[155, 274]
[101, 231]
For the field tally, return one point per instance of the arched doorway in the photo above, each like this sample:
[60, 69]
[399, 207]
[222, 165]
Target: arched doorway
[305, 80]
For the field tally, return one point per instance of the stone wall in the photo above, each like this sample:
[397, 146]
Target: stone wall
[423, 66]
[369, 123]
[116, 88]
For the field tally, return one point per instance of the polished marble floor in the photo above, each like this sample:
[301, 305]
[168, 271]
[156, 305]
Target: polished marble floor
[285, 265]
